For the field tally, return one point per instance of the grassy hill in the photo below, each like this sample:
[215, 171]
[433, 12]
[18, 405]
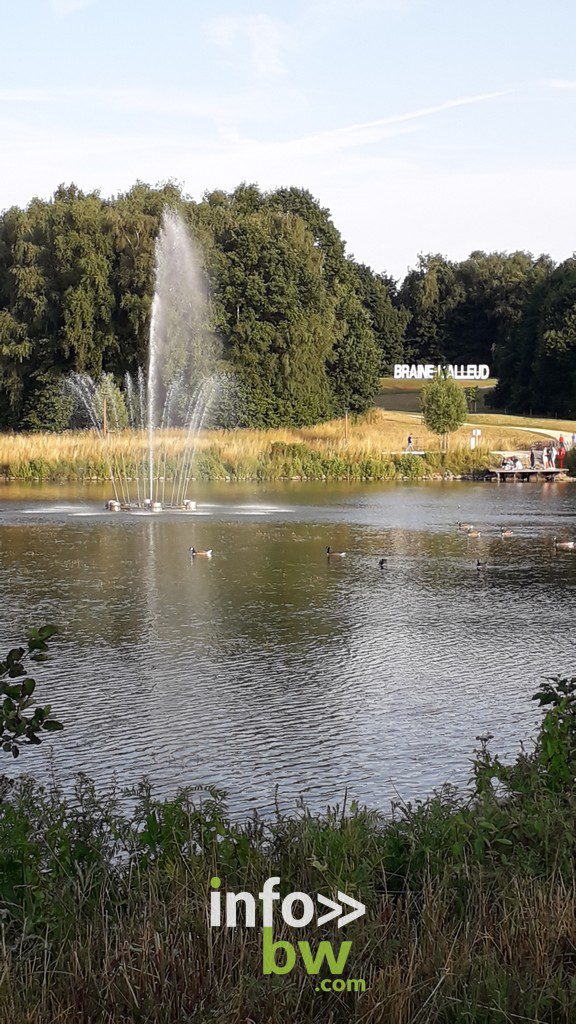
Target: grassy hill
[404, 395]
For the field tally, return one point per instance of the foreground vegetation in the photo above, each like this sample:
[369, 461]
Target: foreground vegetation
[368, 447]
[470, 901]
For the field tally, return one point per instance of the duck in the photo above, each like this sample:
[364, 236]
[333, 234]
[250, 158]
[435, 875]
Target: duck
[473, 534]
[334, 554]
[565, 545]
[201, 554]
[465, 526]
[505, 532]
[383, 562]
[481, 565]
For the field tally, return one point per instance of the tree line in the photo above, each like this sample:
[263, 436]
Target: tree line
[513, 311]
[306, 330]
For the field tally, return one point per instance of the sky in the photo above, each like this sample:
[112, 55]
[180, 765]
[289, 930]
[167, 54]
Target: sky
[424, 126]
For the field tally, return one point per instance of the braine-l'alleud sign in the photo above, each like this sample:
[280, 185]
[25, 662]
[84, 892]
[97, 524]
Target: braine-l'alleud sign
[425, 371]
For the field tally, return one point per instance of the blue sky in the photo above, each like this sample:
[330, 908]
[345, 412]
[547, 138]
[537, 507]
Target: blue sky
[424, 125]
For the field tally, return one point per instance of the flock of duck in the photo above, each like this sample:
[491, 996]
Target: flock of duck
[470, 531]
[466, 528]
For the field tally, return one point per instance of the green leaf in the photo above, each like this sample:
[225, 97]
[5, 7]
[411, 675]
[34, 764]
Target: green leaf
[52, 725]
[14, 655]
[45, 632]
[13, 691]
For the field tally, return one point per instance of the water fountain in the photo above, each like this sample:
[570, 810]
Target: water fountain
[177, 393]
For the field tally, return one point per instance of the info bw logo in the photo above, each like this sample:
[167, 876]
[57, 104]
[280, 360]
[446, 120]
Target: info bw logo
[298, 910]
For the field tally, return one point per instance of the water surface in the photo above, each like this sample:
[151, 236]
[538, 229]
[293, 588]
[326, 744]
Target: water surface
[270, 665]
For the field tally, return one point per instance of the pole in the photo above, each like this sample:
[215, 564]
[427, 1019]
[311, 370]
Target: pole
[104, 423]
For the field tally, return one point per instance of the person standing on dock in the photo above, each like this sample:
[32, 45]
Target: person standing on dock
[561, 453]
[544, 457]
[553, 454]
[532, 458]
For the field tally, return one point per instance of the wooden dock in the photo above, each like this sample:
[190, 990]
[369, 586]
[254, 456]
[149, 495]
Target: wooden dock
[523, 475]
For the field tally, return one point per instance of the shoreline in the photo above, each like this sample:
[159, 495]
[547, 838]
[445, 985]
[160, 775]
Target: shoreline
[395, 471]
[368, 448]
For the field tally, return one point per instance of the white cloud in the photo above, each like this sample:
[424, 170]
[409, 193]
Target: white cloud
[564, 84]
[264, 38]
[236, 107]
[225, 110]
[353, 8]
[354, 135]
[64, 7]
[387, 198]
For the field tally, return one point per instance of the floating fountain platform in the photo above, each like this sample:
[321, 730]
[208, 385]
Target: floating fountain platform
[112, 505]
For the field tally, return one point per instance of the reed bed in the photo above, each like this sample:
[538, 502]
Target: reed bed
[364, 448]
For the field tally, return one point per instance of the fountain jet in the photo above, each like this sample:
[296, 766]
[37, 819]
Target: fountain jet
[178, 391]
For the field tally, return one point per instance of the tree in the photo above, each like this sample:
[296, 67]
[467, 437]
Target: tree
[110, 404]
[50, 406]
[430, 293]
[444, 406]
[466, 312]
[305, 329]
[354, 363]
[471, 396]
[495, 287]
[353, 366]
[276, 317]
[539, 372]
[388, 318]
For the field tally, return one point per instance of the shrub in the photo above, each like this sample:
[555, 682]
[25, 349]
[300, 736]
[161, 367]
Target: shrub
[22, 720]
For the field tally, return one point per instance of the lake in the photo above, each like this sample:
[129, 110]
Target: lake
[270, 665]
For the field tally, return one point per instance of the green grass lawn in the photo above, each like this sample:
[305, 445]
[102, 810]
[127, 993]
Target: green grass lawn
[391, 384]
[404, 396]
[498, 419]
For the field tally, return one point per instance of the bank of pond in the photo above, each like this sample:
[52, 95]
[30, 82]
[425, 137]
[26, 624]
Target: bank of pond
[278, 461]
[470, 907]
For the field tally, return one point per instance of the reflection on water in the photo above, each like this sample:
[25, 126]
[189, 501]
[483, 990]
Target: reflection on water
[270, 665]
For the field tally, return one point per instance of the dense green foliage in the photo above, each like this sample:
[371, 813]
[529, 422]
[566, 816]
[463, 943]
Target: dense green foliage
[304, 330]
[76, 280]
[470, 903]
[538, 366]
[466, 312]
